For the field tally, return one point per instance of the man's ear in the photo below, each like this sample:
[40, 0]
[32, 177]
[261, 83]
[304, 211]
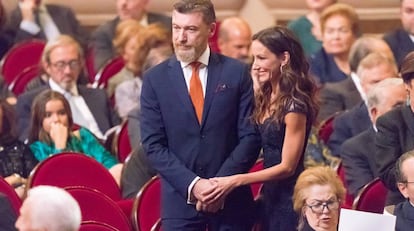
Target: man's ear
[403, 189]
[46, 67]
[213, 28]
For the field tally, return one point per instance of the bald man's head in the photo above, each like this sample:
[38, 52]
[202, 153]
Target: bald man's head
[234, 38]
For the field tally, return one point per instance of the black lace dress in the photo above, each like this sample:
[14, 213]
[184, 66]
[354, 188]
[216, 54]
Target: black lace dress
[278, 213]
[16, 157]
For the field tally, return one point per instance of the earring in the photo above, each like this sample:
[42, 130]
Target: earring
[281, 69]
[408, 99]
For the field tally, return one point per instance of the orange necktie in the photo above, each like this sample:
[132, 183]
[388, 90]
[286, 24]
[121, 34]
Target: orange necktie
[196, 90]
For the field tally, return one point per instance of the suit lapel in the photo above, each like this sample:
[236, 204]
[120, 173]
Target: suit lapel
[213, 77]
[409, 118]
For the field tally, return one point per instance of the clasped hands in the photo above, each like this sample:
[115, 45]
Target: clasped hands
[211, 193]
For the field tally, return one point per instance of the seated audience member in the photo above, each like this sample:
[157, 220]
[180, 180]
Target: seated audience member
[124, 43]
[371, 70]
[16, 159]
[357, 153]
[339, 24]
[62, 61]
[401, 39]
[395, 134]
[33, 19]
[51, 132]
[49, 208]
[307, 28]
[104, 34]
[5, 41]
[347, 93]
[235, 38]
[152, 46]
[136, 172]
[404, 174]
[7, 214]
[317, 199]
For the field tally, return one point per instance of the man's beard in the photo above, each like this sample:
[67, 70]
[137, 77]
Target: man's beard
[185, 55]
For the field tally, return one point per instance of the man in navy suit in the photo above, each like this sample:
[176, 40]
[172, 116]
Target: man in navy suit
[188, 147]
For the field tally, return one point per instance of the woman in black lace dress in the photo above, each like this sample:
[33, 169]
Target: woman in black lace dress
[16, 159]
[285, 108]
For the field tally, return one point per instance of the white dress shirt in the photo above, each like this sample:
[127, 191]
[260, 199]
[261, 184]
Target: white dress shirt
[46, 23]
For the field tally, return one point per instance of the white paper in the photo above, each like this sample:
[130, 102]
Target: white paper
[353, 220]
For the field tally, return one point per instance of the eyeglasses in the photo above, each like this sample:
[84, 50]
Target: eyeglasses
[61, 65]
[320, 206]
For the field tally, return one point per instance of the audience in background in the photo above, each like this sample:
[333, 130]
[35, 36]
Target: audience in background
[234, 39]
[339, 24]
[62, 60]
[104, 34]
[5, 41]
[404, 173]
[49, 208]
[16, 159]
[401, 39]
[307, 28]
[357, 153]
[395, 134]
[317, 199]
[33, 19]
[7, 214]
[152, 46]
[52, 132]
[371, 70]
[347, 93]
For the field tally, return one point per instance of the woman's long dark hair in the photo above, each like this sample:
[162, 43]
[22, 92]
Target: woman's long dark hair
[293, 85]
[8, 132]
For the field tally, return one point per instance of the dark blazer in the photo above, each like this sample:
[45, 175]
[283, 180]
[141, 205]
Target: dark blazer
[357, 154]
[7, 214]
[324, 69]
[62, 16]
[348, 124]
[180, 149]
[338, 96]
[102, 37]
[400, 44]
[395, 136]
[96, 100]
[404, 212]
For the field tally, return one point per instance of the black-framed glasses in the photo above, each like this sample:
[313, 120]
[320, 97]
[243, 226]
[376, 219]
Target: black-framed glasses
[321, 205]
[61, 65]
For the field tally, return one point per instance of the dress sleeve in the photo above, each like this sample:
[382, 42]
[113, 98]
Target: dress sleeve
[91, 147]
[297, 107]
[42, 151]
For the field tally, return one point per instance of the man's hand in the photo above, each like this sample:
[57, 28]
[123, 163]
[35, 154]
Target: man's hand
[210, 208]
[202, 188]
[27, 8]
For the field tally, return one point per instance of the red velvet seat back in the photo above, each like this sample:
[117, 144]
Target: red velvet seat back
[255, 187]
[75, 169]
[23, 78]
[349, 199]
[372, 197]
[122, 145]
[96, 226]
[9, 191]
[24, 54]
[96, 206]
[147, 205]
[110, 68]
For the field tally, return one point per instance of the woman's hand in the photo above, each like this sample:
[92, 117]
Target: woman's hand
[59, 135]
[224, 185]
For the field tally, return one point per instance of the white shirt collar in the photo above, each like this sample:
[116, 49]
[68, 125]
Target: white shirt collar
[56, 87]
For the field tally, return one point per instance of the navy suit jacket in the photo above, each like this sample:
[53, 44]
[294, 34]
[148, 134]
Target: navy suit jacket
[395, 136]
[62, 16]
[357, 154]
[180, 149]
[96, 100]
[404, 212]
[102, 37]
[7, 214]
[348, 124]
[400, 44]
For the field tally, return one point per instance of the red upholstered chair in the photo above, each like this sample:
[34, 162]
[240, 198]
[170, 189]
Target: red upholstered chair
[147, 205]
[89, 64]
[9, 191]
[75, 169]
[325, 128]
[96, 226]
[213, 41]
[121, 145]
[21, 55]
[371, 198]
[19, 83]
[349, 199]
[157, 226]
[96, 206]
[255, 187]
[110, 68]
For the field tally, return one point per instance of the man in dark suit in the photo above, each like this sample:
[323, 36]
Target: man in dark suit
[7, 214]
[404, 211]
[400, 40]
[372, 69]
[133, 9]
[32, 19]
[190, 140]
[357, 152]
[62, 61]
